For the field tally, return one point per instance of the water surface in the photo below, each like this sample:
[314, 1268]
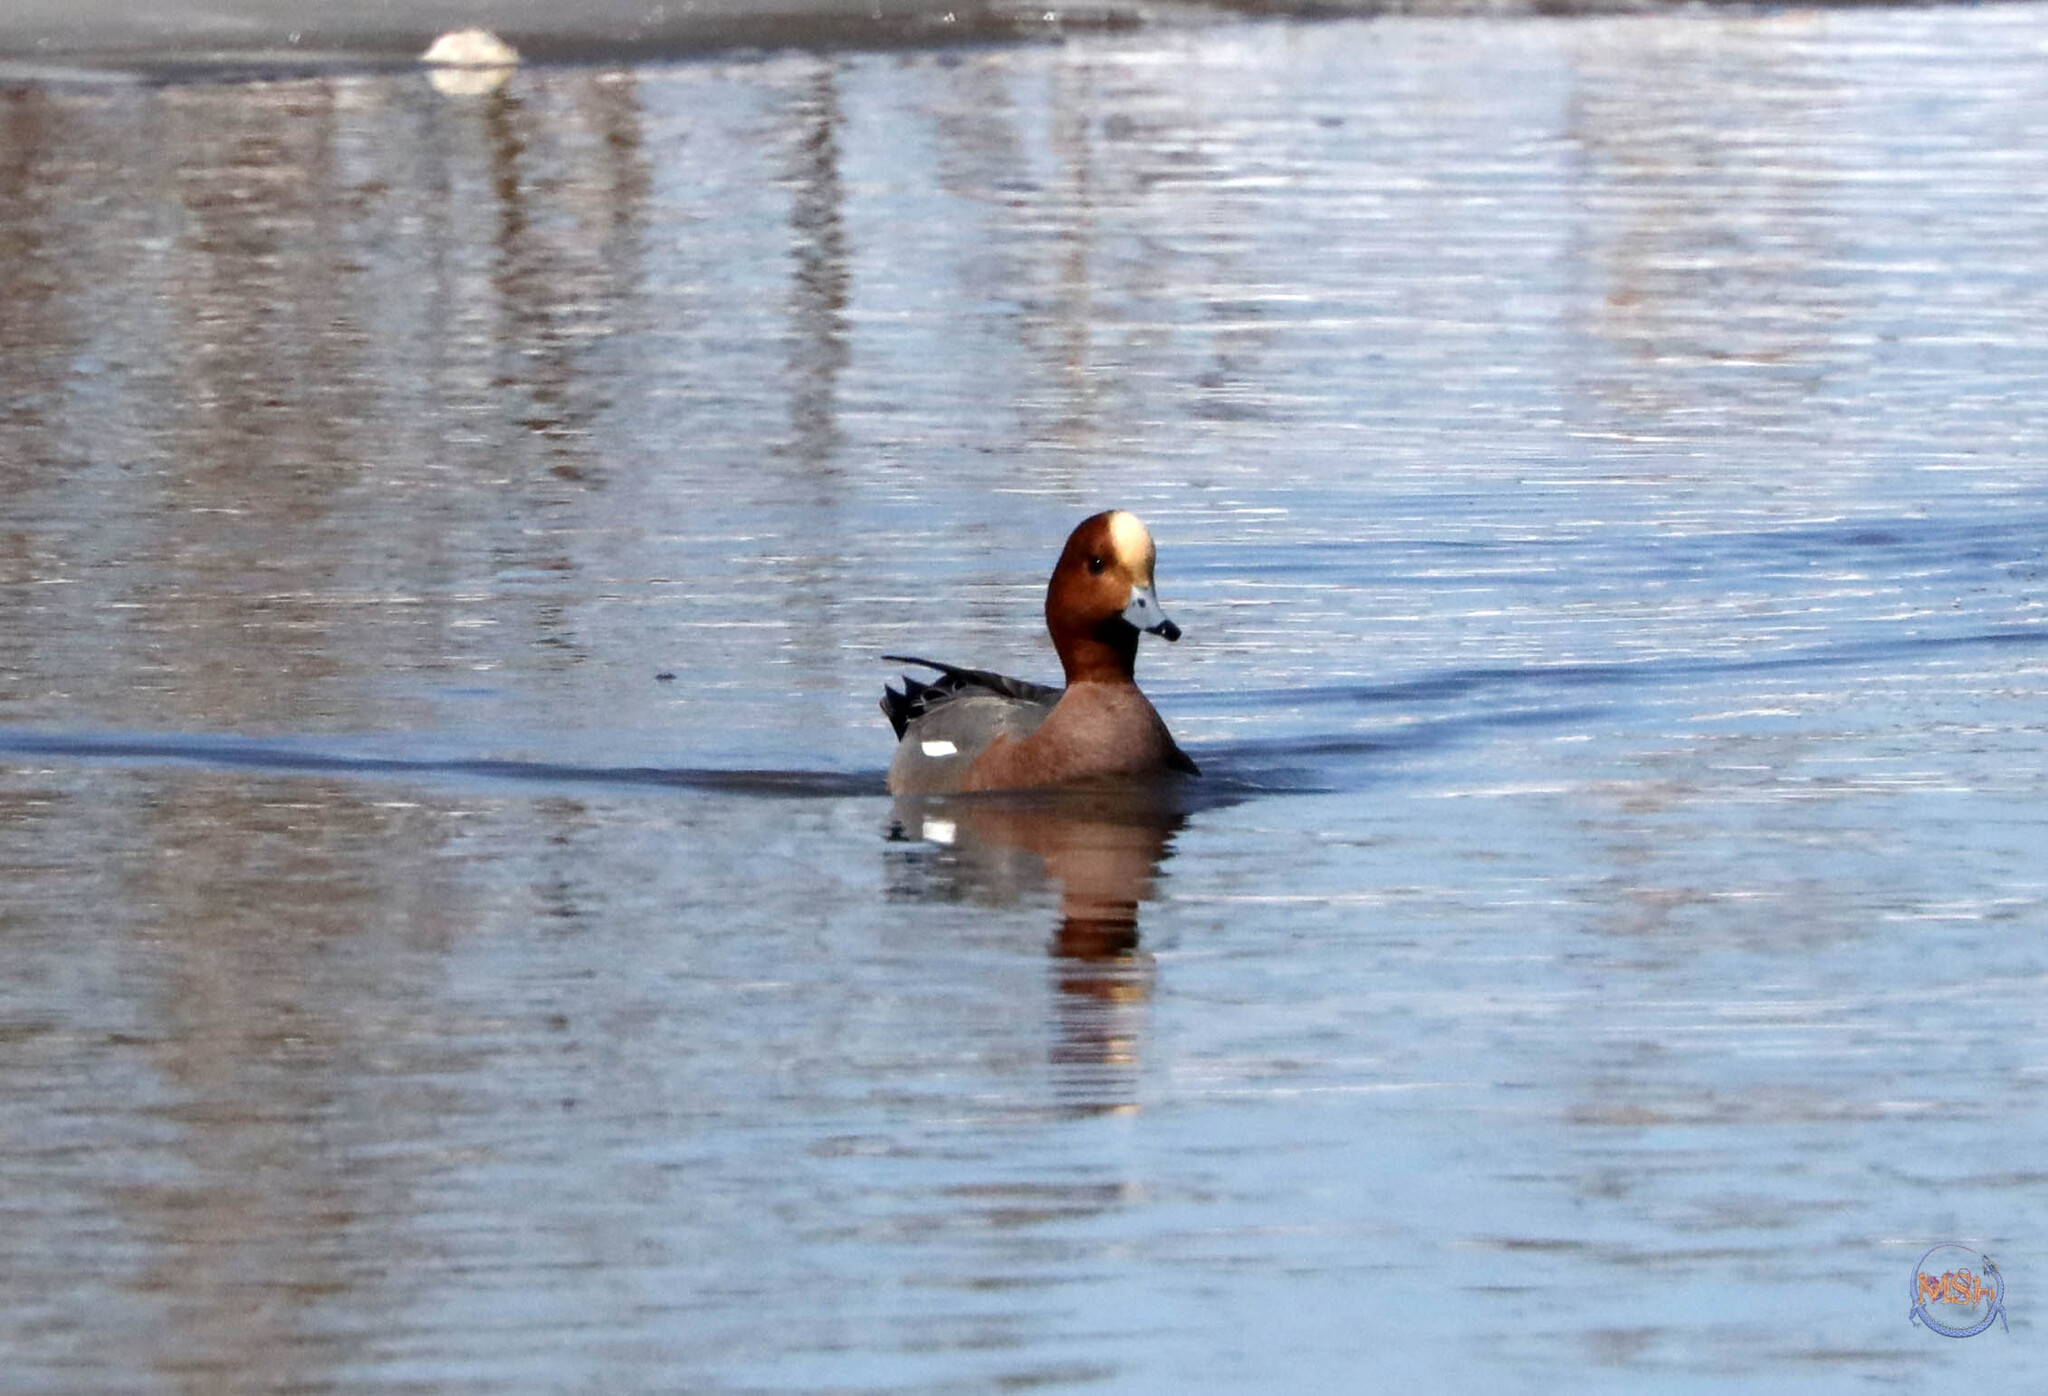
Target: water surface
[1597, 465]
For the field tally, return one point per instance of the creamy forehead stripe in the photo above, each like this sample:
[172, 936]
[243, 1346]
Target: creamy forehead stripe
[1132, 543]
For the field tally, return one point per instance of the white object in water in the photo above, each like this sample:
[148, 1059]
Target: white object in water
[469, 63]
[471, 48]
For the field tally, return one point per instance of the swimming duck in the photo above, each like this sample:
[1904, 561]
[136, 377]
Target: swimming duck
[972, 730]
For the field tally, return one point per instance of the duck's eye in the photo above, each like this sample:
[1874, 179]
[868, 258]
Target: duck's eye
[1095, 566]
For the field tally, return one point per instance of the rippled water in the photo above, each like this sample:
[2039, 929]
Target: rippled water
[455, 935]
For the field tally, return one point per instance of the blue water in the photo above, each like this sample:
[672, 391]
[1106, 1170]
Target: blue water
[456, 935]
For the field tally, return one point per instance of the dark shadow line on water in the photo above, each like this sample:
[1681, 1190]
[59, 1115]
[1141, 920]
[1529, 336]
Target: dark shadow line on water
[185, 749]
[284, 758]
[1300, 765]
[1233, 770]
[1456, 683]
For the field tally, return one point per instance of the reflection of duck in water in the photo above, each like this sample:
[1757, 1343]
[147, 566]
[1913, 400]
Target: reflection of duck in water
[971, 730]
[1101, 847]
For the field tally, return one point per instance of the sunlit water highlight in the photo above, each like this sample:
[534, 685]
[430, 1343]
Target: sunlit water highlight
[1597, 465]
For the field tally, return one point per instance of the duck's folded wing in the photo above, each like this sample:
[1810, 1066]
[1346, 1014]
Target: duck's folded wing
[919, 697]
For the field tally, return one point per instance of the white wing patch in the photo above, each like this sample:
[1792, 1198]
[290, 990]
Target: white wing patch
[940, 748]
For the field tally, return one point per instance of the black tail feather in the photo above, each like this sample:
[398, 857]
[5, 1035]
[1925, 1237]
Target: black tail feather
[901, 707]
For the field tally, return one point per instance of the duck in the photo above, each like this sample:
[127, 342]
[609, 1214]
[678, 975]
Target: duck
[971, 730]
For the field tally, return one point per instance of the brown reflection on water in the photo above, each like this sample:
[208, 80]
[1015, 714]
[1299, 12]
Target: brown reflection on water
[274, 394]
[1101, 851]
[273, 409]
[37, 333]
[300, 1044]
[312, 356]
[37, 337]
[818, 288]
[566, 256]
[1718, 246]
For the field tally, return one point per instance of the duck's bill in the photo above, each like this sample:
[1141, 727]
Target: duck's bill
[1143, 612]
